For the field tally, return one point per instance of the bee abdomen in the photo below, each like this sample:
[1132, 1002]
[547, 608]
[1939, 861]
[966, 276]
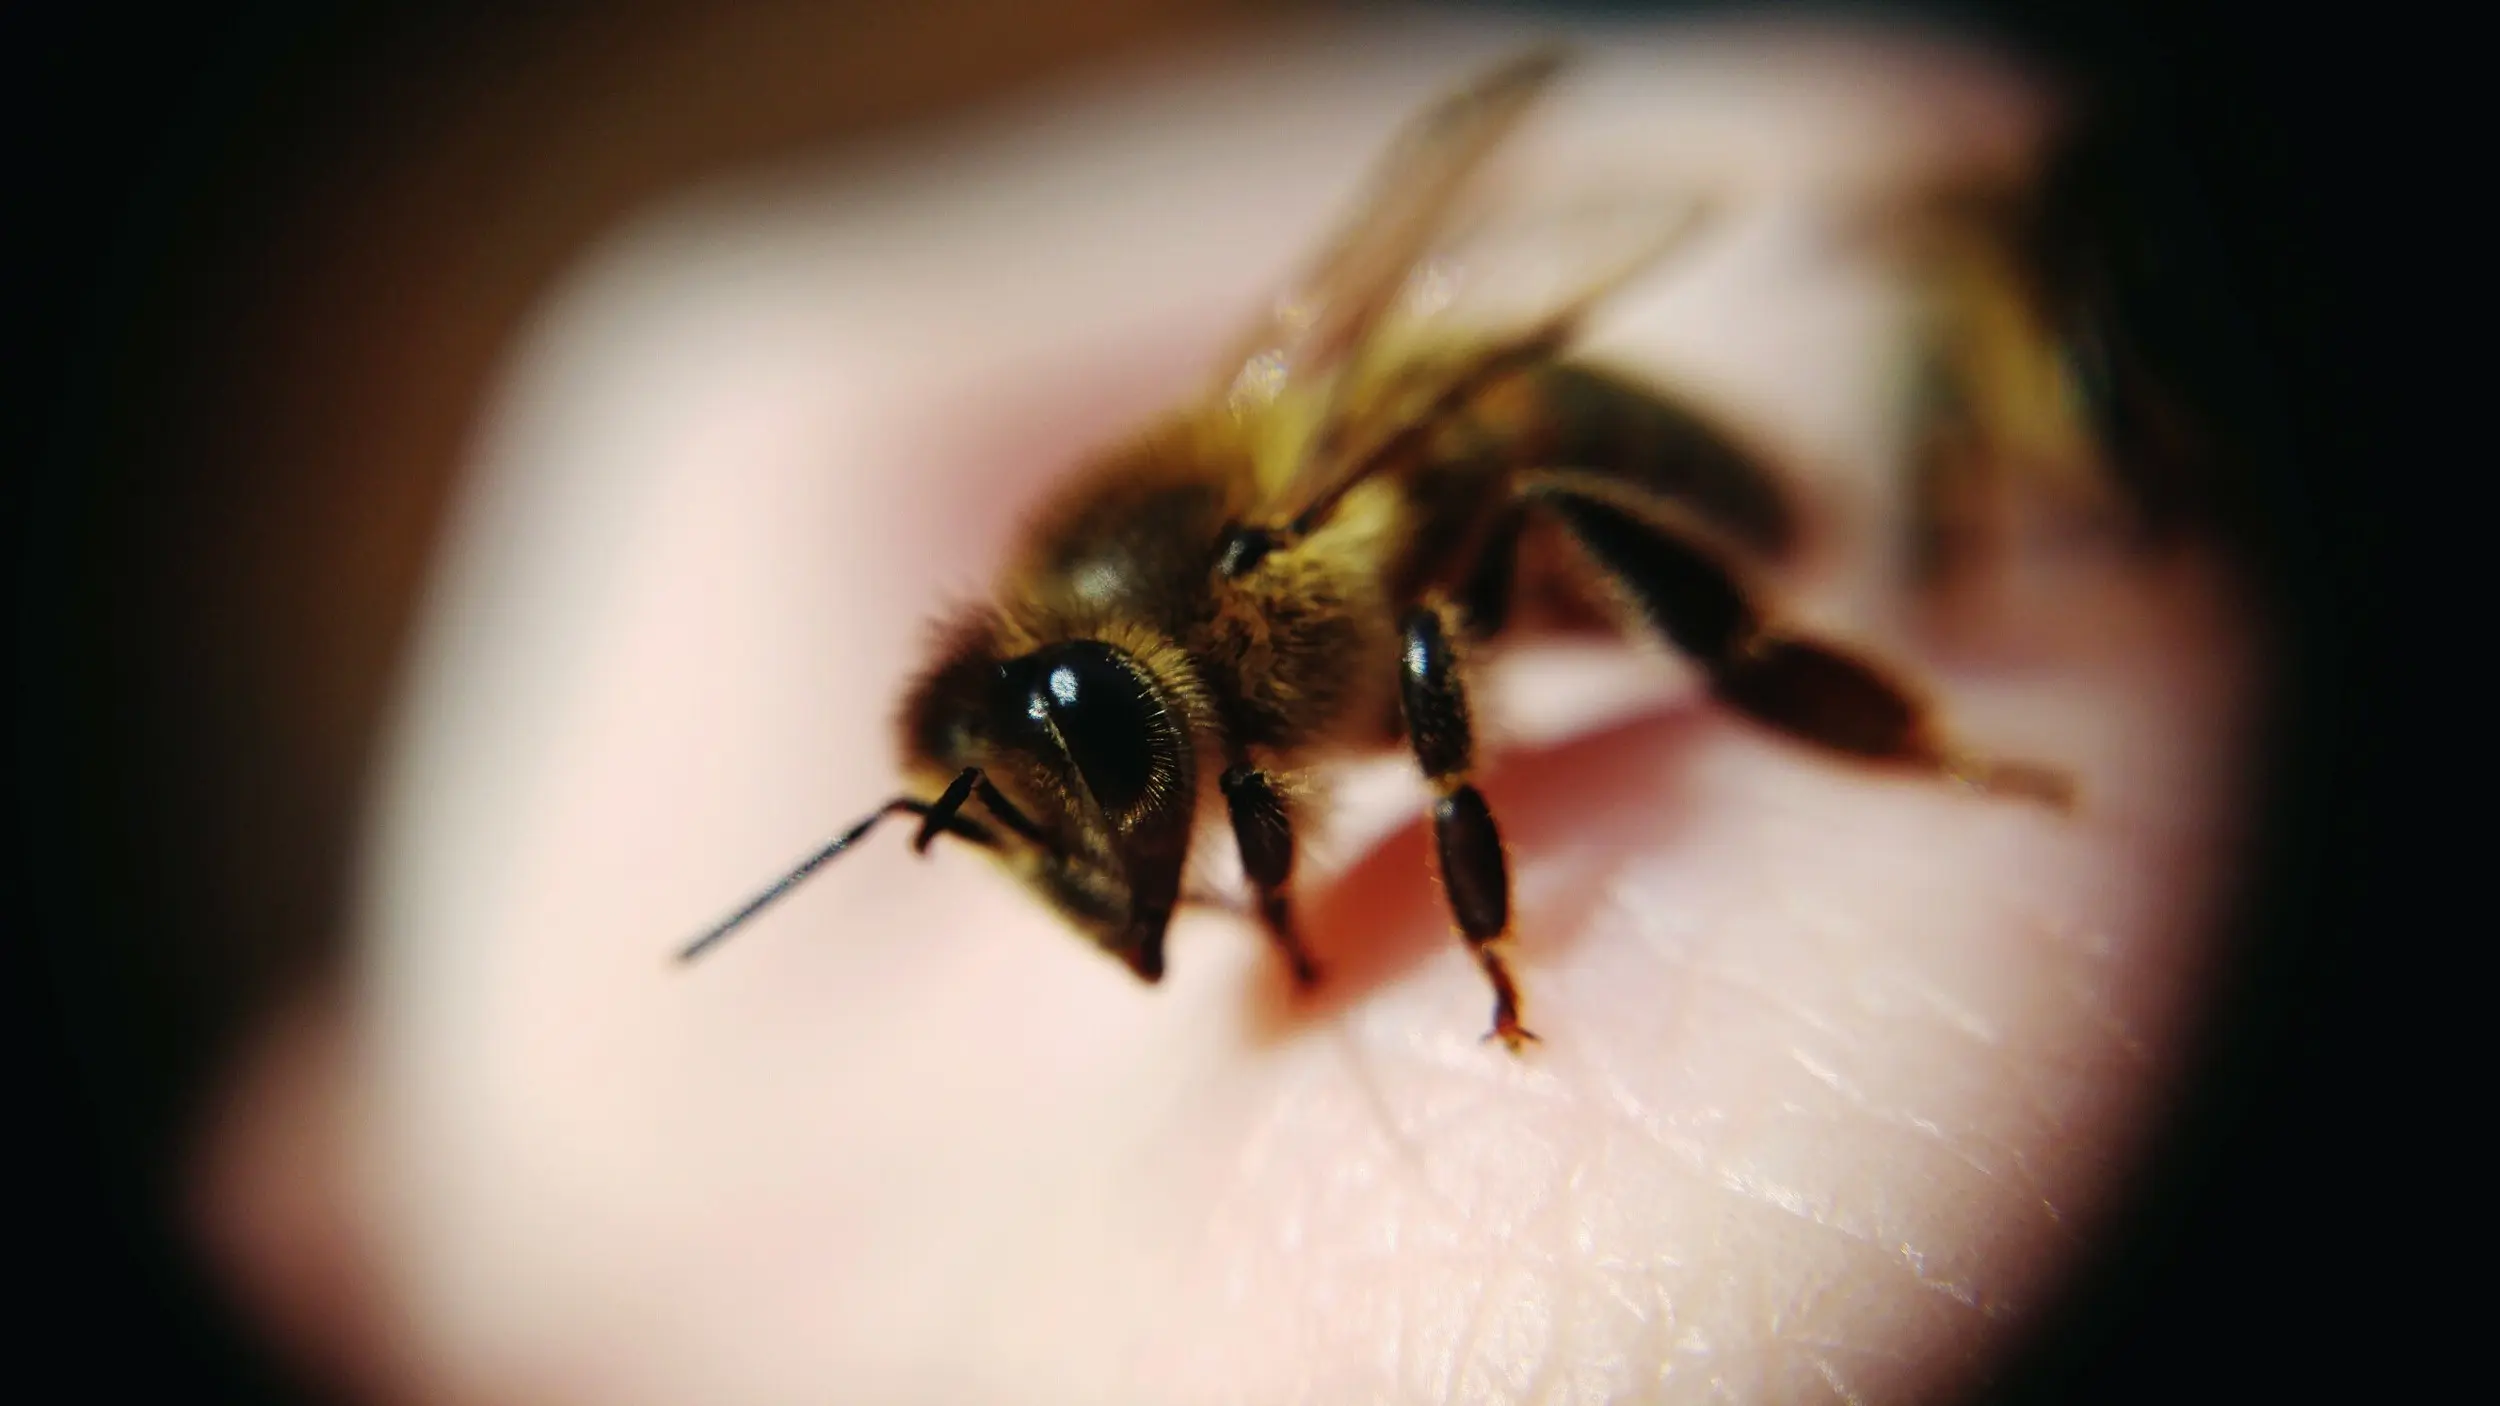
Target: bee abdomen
[1575, 416]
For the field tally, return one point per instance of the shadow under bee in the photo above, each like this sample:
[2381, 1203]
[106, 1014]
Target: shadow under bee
[1383, 915]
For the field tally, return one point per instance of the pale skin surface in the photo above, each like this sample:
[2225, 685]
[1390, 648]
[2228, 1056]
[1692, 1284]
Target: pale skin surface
[1837, 1067]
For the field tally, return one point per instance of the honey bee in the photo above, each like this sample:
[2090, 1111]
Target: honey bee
[1299, 566]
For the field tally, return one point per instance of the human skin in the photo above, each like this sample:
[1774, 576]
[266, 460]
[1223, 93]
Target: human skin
[1839, 1068]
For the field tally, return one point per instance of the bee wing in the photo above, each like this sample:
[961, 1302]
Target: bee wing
[1429, 171]
[1507, 290]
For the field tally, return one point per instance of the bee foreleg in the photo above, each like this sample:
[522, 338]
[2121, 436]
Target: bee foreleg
[1474, 875]
[1810, 690]
[1264, 830]
[940, 816]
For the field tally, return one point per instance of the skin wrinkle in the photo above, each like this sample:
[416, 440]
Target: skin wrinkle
[1751, 1204]
[1528, 1264]
[1912, 1257]
[1966, 1026]
[1409, 1152]
[1789, 1341]
[1790, 1202]
[1439, 1339]
[1207, 1247]
[1561, 1262]
[1606, 1342]
[1628, 1103]
[1831, 1373]
[1685, 1150]
[1525, 1251]
[1954, 1144]
[1462, 1353]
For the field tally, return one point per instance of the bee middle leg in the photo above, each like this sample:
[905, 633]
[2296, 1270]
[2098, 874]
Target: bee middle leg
[1474, 874]
[1263, 828]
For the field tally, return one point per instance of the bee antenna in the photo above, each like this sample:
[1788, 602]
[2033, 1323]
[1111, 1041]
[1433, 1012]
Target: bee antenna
[787, 882]
[936, 819]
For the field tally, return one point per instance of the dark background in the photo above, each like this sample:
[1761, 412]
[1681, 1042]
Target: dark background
[205, 619]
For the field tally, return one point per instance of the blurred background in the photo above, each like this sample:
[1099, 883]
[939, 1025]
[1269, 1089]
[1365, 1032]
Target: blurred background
[267, 257]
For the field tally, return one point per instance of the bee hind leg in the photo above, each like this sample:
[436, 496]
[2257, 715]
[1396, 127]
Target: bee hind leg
[1263, 828]
[1805, 688]
[1474, 874]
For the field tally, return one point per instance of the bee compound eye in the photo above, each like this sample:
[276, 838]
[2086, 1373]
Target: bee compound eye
[1107, 716]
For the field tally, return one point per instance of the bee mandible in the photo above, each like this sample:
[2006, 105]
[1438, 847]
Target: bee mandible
[1298, 567]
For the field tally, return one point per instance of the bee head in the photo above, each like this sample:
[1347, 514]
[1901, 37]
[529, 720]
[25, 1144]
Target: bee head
[1090, 778]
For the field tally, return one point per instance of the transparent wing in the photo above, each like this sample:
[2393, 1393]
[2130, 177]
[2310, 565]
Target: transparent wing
[1429, 172]
[1500, 292]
